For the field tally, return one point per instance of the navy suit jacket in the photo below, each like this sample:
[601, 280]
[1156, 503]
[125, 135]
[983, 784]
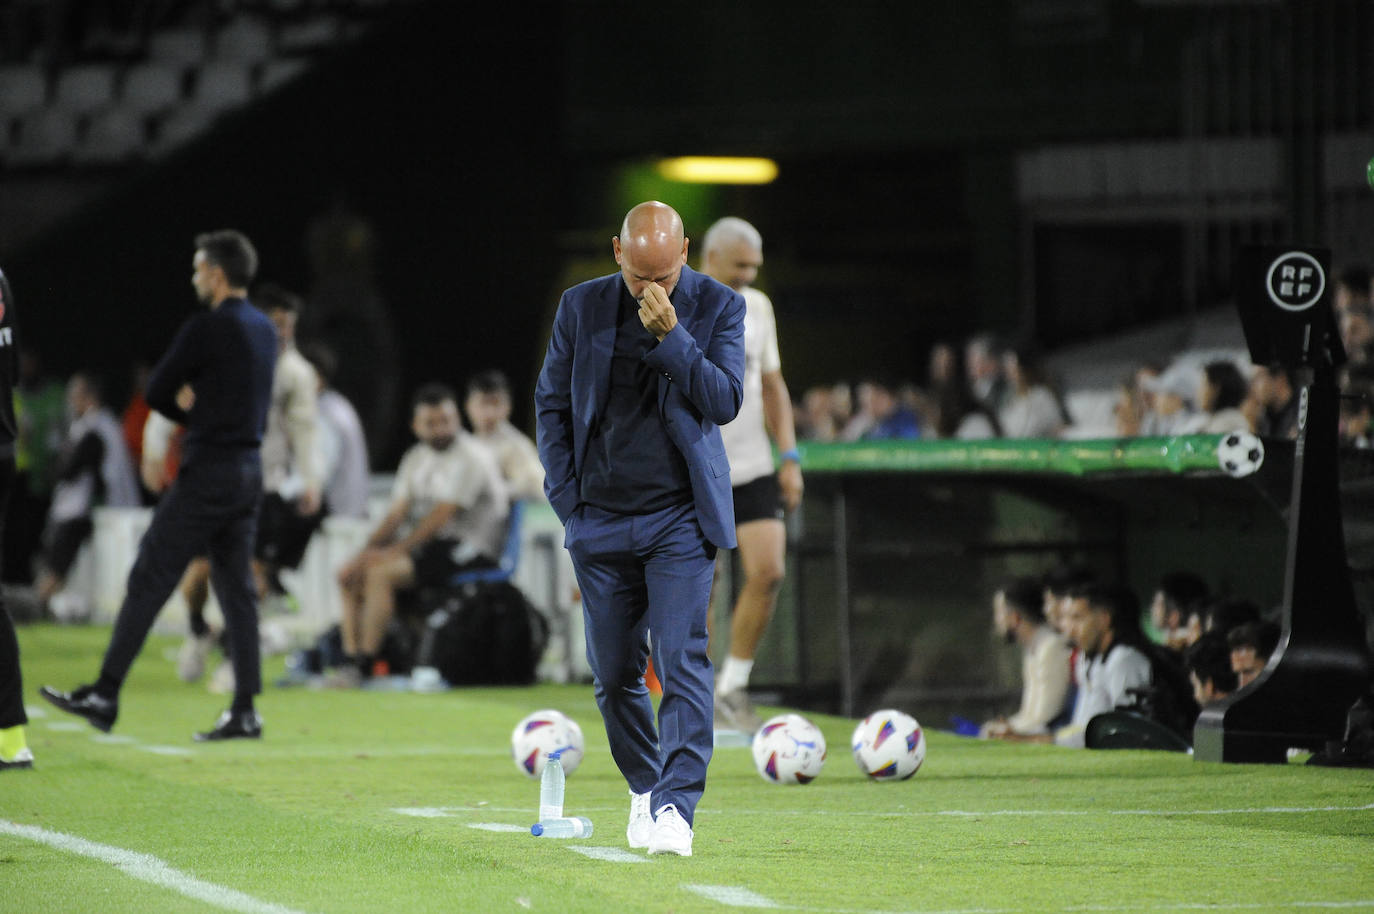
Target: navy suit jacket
[700, 385]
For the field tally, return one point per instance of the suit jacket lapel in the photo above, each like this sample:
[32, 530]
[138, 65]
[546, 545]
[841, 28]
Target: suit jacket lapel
[604, 311]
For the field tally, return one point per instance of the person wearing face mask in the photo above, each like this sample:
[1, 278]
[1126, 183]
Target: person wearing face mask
[448, 513]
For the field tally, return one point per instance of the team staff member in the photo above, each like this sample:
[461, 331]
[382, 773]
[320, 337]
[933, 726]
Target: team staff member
[14, 750]
[732, 254]
[642, 368]
[227, 355]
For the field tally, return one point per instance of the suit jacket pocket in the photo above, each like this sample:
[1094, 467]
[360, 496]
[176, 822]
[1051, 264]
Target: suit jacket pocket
[719, 464]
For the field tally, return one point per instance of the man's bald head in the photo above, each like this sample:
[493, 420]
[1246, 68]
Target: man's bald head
[651, 247]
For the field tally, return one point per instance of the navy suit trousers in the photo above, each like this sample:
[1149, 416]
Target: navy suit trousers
[211, 509]
[646, 584]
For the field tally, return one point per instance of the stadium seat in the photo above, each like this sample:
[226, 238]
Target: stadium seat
[181, 126]
[277, 73]
[245, 40]
[85, 89]
[510, 554]
[114, 137]
[46, 137]
[23, 90]
[178, 46]
[223, 84]
[314, 34]
[152, 88]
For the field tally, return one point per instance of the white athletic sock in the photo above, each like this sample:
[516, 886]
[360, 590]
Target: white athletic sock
[734, 675]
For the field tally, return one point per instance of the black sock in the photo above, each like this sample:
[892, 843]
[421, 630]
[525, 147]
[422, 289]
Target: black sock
[365, 663]
[243, 703]
[199, 627]
[107, 687]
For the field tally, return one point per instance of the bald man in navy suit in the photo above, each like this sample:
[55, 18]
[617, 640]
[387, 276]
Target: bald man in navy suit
[643, 366]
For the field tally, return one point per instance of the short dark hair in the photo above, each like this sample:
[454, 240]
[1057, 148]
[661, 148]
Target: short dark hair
[1230, 384]
[488, 382]
[433, 394]
[1026, 596]
[1064, 579]
[1184, 591]
[1355, 277]
[323, 358]
[272, 297]
[1262, 635]
[1120, 603]
[1231, 612]
[1209, 658]
[232, 252]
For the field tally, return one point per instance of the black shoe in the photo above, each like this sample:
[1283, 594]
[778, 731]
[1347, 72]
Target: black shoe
[233, 725]
[85, 702]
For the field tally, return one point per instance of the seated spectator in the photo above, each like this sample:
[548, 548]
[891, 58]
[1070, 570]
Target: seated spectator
[1274, 388]
[1149, 418]
[892, 419]
[1209, 667]
[1251, 645]
[1019, 618]
[957, 412]
[1177, 608]
[983, 368]
[1104, 622]
[1357, 415]
[340, 441]
[1357, 333]
[816, 415]
[860, 420]
[1128, 412]
[1031, 409]
[1228, 613]
[1221, 394]
[93, 467]
[488, 410]
[448, 513]
[1352, 290]
[1173, 392]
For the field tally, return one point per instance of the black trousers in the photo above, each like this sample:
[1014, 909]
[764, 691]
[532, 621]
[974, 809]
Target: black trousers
[11, 682]
[211, 509]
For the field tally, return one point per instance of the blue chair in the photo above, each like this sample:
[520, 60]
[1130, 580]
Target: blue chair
[510, 554]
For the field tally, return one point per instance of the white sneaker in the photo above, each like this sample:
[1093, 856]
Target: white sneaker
[641, 820]
[192, 656]
[671, 834]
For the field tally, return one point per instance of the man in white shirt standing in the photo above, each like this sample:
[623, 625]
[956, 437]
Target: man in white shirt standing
[1019, 617]
[487, 405]
[1105, 622]
[733, 253]
[448, 512]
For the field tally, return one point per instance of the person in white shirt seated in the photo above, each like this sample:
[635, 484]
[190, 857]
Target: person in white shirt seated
[1104, 621]
[448, 513]
[487, 405]
[1019, 618]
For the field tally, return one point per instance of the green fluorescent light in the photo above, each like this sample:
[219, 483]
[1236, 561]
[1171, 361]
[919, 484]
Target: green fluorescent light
[718, 170]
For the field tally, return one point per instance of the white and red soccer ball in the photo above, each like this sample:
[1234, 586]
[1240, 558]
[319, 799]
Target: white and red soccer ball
[888, 745]
[789, 749]
[541, 733]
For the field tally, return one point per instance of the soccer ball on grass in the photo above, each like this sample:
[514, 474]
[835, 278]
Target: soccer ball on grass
[789, 749]
[888, 745]
[541, 733]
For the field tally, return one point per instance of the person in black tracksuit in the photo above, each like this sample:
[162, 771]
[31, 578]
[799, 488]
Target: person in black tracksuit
[226, 357]
[14, 752]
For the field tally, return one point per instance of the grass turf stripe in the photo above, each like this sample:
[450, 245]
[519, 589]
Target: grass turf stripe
[147, 868]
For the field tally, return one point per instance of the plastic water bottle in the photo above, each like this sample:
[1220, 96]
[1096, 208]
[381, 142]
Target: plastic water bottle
[562, 827]
[551, 788]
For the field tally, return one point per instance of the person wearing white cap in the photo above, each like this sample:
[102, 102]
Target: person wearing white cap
[1174, 391]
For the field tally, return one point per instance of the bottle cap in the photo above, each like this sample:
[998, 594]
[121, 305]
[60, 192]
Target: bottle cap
[537, 829]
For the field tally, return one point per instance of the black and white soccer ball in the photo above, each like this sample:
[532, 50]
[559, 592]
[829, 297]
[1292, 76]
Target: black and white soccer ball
[1240, 454]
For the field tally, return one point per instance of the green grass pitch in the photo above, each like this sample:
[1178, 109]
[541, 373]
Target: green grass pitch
[321, 817]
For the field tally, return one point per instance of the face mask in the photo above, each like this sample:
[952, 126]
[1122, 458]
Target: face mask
[444, 443]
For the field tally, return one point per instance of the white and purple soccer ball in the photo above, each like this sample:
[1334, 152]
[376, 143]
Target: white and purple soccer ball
[543, 732]
[789, 749]
[888, 745]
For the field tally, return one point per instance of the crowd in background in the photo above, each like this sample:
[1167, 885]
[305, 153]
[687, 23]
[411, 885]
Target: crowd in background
[990, 389]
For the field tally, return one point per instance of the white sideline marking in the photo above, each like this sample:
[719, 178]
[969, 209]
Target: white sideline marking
[114, 739]
[147, 868]
[166, 750]
[35, 712]
[608, 854]
[66, 726]
[736, 896]
[498, 826]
